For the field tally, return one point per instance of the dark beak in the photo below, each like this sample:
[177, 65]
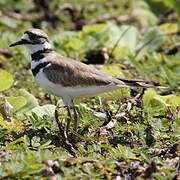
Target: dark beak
[21, 42]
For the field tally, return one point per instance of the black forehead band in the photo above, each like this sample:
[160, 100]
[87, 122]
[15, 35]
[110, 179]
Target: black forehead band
[27, 32]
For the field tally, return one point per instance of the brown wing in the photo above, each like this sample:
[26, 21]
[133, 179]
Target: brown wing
[69, 72]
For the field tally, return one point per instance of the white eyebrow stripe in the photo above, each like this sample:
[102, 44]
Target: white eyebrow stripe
[25, 36]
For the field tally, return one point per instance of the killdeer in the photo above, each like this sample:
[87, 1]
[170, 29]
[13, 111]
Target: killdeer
[65, 77]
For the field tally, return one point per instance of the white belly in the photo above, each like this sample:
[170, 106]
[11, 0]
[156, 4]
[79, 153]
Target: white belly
[48, 86]
[71, 92]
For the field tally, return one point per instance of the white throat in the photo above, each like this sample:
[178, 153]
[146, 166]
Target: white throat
[37, 47]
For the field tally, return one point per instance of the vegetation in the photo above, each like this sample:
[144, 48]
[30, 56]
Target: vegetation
[133, 134]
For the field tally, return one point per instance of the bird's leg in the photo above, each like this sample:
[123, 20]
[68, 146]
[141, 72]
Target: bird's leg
[64, 136]
[68, 119]
[76, 118]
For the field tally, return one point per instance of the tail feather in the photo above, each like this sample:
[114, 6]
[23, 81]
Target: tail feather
[140, 83]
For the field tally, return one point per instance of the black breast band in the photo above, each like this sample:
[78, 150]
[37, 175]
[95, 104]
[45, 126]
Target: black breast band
[36, 70]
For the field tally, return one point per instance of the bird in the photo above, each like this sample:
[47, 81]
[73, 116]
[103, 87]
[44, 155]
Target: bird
[68, 78]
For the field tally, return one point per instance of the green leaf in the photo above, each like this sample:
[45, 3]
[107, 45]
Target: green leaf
[31, 101]
[156, 104]
[75, 44]
[47, 109]
[121, 52]
[6, 80]
[11, 144]
[35, 141]
[27, 140]
[169, 28]
[151, 99]
[95, 28]
[17, 102]
[148, 97]
[152, 40]
[113, 70]
[127, 36]
[122, 152]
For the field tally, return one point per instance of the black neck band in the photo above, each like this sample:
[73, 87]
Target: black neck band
[39, 54]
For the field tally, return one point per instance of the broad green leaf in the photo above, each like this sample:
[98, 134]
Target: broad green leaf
[6, 80]
[47, 109]
[75, 44]
[126, 152]
[169, 28]
[95, 28]
[148, 97]
[125, 36]
[153, 103]
[120, 52]
[17, 102]
[152, 40]
[31, 101]
[35, 141]
[156, 103]
[113, 70]
[27, 140]
[152, 99]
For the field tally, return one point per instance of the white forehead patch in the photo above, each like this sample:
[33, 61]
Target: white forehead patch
[25, 36]
[37, 33]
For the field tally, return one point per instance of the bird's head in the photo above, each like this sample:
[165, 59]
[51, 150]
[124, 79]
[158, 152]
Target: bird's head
[34, 39]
